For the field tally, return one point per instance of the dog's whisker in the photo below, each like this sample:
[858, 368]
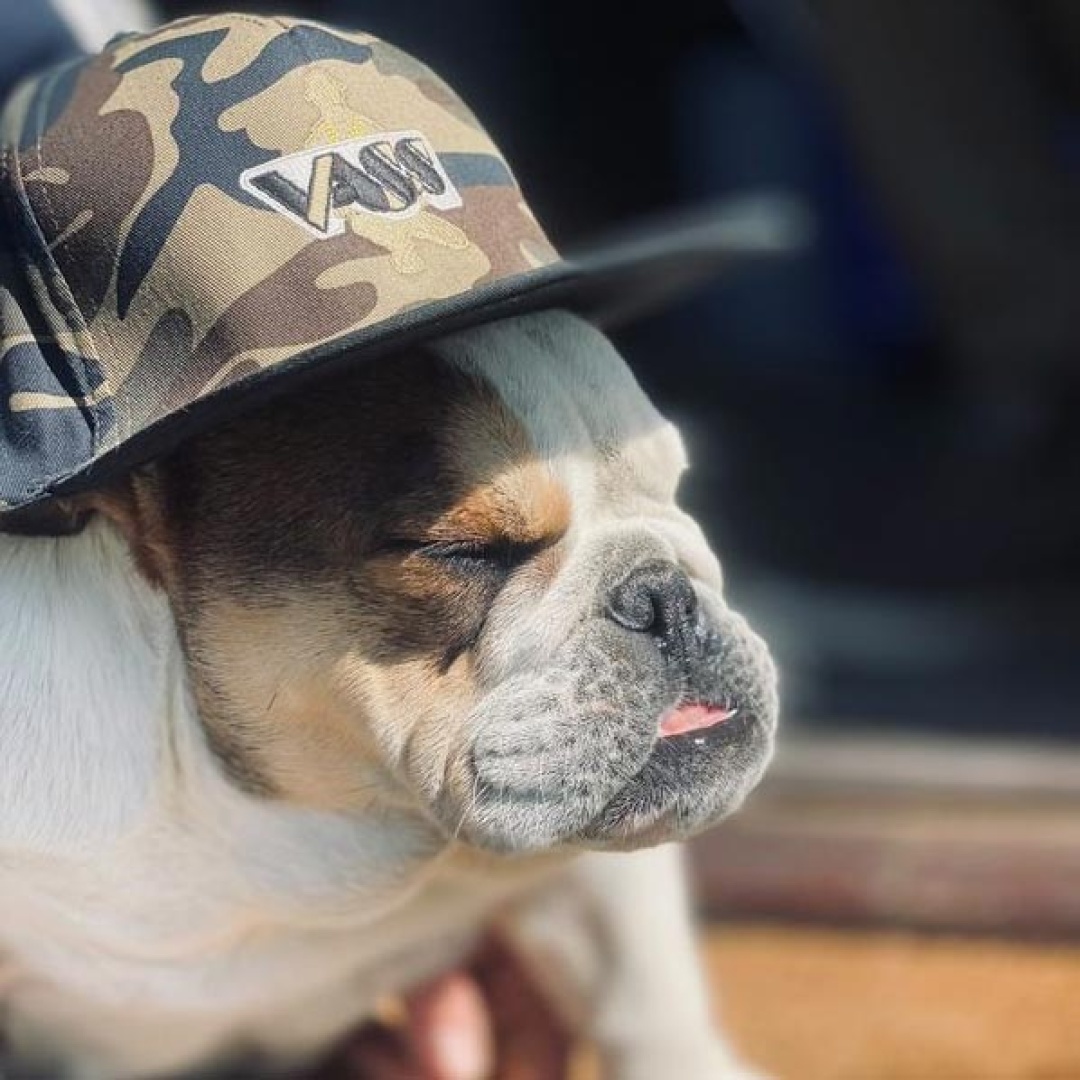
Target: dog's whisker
[468, 809]
[273, 699]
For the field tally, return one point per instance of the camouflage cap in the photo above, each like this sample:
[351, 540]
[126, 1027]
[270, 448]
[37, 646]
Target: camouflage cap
[200, 216]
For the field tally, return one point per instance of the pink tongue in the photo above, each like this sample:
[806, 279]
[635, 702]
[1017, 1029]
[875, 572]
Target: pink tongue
[692, 718]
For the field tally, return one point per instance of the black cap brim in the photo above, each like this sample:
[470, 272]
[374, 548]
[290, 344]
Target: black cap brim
[628, 276]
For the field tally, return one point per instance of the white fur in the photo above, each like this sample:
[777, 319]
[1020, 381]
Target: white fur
[153, 914]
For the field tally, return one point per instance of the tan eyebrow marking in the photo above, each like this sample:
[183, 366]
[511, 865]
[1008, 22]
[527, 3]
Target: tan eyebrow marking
[525, 505]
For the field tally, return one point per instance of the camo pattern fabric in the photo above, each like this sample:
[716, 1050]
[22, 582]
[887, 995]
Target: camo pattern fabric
[200, 203]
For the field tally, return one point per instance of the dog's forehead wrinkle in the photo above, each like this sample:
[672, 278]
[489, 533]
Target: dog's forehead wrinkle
[561, 376]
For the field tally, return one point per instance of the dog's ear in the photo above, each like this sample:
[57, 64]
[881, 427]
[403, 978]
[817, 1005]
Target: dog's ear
[134, 506]
[57, 517]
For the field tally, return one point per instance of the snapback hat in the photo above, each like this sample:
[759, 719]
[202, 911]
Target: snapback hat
[201, 217]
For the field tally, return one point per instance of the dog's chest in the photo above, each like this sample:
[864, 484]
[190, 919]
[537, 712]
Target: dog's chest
[182, 942]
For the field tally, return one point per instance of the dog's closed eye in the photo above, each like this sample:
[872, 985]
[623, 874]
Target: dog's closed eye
[501, 554]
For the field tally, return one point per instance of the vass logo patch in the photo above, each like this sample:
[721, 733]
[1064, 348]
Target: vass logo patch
[392, 175]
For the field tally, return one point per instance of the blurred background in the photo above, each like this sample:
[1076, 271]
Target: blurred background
[886, 450]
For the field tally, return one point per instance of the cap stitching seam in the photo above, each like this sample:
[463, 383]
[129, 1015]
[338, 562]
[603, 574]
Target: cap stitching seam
[58, 292]
[73, 316]
[91, 349]
[69, 308]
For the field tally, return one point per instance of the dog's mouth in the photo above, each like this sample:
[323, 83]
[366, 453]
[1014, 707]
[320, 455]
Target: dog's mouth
[690, 718]
[695, 733]
[635, 753]
[704, 754]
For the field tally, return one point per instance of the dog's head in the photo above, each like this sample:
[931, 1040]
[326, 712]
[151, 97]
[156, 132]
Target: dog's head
[458, 581]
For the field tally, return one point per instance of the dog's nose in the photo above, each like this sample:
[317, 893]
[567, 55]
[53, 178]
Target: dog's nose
[657, 598]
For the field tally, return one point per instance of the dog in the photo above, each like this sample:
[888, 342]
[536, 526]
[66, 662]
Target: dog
[317, 698]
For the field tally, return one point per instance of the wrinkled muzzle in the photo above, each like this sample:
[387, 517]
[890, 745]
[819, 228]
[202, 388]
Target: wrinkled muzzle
[581, 750]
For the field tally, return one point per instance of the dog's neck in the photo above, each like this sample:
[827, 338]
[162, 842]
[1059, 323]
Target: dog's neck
[100, 745]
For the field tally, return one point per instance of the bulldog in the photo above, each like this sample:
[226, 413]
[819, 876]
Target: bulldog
[317, 698]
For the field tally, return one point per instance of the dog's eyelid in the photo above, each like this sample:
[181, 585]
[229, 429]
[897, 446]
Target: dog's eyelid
[395, 545]
[503, 551]
[507, 551]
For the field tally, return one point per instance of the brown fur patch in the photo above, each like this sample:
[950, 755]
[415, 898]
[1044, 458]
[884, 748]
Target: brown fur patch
[135, 507]
[326, 643]
[525, 505]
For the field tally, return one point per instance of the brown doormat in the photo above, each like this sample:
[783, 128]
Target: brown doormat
[812, 1004]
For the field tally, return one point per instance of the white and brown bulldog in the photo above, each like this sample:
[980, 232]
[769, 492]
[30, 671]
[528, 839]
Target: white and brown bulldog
[318, 698]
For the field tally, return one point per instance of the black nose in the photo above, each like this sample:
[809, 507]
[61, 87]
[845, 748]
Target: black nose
[657, 598]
